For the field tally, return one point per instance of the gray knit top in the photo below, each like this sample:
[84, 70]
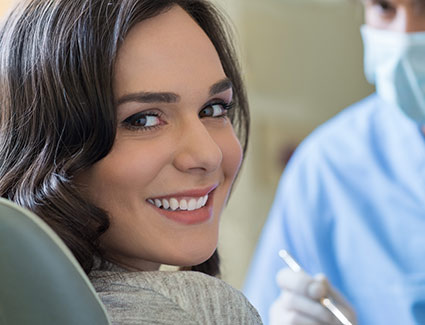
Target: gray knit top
[165, 297]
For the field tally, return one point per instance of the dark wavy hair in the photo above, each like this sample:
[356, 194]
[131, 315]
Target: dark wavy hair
[58, 116]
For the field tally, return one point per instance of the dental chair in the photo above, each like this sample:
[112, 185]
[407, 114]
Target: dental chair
[41, 283]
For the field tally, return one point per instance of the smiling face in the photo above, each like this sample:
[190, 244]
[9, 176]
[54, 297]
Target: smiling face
[404, 16]
[175, 155]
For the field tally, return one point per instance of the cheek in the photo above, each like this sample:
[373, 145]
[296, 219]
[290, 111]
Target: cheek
[373, 20]
[376, 19]
[125, 172]
[419, 20]
[232, 153]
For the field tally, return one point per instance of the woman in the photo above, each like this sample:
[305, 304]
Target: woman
[117, 128]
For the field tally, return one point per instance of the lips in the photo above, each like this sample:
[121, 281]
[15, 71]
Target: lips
[188, 207]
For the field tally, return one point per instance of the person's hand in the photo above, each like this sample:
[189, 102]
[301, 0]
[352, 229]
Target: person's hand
[299, 302]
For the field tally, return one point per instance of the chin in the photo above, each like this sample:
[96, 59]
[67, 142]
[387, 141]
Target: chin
[194, 257]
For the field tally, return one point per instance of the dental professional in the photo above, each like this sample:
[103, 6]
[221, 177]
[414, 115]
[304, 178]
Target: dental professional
[350, 206]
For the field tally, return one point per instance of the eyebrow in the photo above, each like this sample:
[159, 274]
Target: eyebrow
[168, 97]
[220, 86]
[149, 97]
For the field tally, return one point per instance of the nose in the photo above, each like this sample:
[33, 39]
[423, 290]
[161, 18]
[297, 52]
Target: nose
[197, 151]
[409, 20]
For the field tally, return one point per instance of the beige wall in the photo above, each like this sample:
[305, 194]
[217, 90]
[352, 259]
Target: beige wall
[5, 5]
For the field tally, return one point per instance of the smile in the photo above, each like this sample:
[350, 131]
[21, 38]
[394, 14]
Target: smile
[187, 207]
[184, 204]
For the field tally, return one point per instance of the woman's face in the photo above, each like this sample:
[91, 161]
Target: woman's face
[175, 156]
[404, 16]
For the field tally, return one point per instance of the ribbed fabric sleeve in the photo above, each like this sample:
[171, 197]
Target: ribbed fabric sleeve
[182, 297]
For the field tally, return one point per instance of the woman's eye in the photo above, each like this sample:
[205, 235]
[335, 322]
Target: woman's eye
[215, 110]
[142, 120]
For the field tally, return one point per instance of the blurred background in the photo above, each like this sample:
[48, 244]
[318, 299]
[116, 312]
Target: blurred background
[303, 63]
[4, 5]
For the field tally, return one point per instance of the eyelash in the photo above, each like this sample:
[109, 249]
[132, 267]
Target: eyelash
[128, 123]
[225, 106]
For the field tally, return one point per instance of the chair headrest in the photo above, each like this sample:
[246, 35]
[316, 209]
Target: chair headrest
[40, 280]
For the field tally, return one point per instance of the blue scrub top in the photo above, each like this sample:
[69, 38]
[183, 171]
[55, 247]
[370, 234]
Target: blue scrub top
[351, 205]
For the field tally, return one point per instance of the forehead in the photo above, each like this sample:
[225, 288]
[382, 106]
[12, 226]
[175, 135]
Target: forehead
[166, 51]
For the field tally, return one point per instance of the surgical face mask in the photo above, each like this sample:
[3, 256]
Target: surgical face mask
[395, 63]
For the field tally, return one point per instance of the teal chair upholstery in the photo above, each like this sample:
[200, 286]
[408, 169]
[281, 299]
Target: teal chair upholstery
[40, 280]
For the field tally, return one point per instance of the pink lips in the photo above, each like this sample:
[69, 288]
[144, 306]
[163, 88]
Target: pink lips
[191, 193]
[190, 217]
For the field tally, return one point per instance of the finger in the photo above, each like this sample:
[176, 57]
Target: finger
[343, 305]
[308, 307]
[318, 288]
[337, 297]
[281, 315]
[329, 290]
[339, 301]
[294, 281]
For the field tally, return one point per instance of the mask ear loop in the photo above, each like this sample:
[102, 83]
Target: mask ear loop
[416, 87]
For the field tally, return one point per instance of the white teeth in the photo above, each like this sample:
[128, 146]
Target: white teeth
[191, 205]
[165, 204]
[184, 204]
[200, 203]
[174, 204]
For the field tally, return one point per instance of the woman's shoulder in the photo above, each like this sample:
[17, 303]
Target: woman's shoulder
[172, 297]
